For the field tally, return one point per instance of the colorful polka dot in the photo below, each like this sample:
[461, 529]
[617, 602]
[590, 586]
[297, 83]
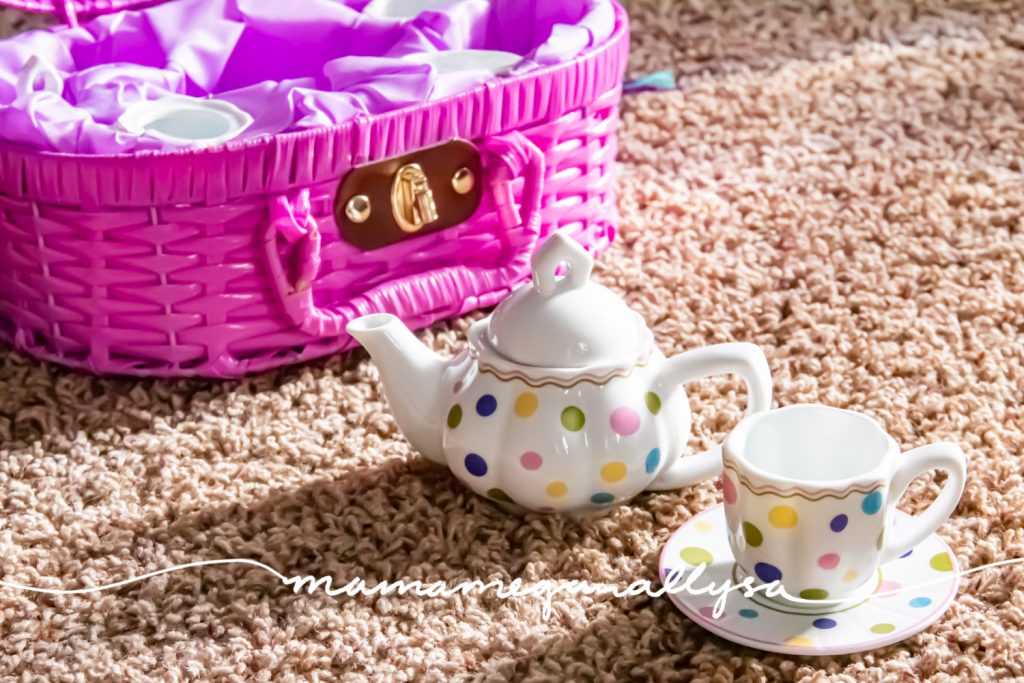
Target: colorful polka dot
[653, 402]
[499, 495]
[625, 421]
[800, 641]
[486, 405]
[613, 472]
[652, 461]
[814, 594]
[888, 587]
[573, 419]
[828, 561]
[531, 460]
[728, 490]
[824, 623]
[850, 575]
[748, 613]
[906, 554]
[602, 498]
[703, 525]
[753, 535]
[476, 465]
[767, 572]
[557, 489]
[839, 523]
[526, 404]
[696, 556]
[872, 503]
[454, 416]
[920, 602]
[882, 629]
[941, 562]
[708, 612]
[457, 387]
[782, 517]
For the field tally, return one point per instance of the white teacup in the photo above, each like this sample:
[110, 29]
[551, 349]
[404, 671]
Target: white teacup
[185, 121]
[810, 493]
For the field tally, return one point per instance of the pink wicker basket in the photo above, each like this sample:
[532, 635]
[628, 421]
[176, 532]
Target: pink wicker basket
[224, 261]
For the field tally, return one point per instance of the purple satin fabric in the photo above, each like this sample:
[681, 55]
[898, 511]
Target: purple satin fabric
[291, 64]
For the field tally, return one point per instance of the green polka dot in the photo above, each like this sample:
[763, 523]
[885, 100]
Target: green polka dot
[653, 402]
[881, 539]
[753, 535]
[814, 594]
[695, 556]
[882, 629]
[454, 416]
[941, 562]
[573, 419]
[498, 494]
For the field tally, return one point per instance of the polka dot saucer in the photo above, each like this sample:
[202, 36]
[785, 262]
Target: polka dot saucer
[926, 579]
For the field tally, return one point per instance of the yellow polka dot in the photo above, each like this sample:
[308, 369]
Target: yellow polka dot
[782, 517]
[849, 576]
[557, 489]
[696, 556]
[800, 641]
[703, 525]
[882, 629]
[941, 562]
[526, 404]
[613, 472]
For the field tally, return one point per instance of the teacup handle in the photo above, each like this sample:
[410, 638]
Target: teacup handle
[937, 456]
[747, 361]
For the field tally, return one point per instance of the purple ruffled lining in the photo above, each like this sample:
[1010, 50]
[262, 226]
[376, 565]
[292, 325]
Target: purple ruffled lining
[291, 65]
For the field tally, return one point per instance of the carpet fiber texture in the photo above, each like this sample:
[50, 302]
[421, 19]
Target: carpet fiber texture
[842, 184]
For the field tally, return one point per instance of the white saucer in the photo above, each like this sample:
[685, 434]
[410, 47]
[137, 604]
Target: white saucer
[926, 578]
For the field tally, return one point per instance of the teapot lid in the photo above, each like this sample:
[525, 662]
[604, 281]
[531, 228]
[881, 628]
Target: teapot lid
[567, 321]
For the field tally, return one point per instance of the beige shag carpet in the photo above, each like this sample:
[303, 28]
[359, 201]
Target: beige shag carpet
[842, 184]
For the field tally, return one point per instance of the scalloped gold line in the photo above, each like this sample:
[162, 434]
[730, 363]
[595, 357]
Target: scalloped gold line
[798, 492]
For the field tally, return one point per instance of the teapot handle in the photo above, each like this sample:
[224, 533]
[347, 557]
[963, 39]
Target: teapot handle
[747, 361]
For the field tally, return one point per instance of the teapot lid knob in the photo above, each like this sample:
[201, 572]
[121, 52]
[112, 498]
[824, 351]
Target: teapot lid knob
[559, 250]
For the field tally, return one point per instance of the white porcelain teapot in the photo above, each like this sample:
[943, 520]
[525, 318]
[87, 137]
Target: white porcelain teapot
[562, 403]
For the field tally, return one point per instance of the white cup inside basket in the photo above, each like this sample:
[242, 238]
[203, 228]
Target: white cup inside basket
[187, 121]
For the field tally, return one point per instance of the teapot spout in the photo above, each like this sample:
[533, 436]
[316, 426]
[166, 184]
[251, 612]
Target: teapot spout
[412, 375]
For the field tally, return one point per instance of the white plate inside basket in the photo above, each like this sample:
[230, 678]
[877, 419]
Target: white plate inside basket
[496, 62]
[185, 121]
[400, 10]
[912, 593]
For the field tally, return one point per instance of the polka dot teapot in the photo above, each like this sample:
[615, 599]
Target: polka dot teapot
[561, 403]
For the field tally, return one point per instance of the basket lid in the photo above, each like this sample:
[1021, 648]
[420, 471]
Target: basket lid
[71, 11]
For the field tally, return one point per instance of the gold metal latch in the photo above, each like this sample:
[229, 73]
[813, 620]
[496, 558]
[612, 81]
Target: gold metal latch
[412, 202]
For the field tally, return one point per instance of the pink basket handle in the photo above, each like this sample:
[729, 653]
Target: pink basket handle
[293, 220]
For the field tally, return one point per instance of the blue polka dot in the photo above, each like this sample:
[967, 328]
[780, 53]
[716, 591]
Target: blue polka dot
[486, 405]
[653, 458]
[838, 523]
[748, 613]
[602, 498]
[476, 465]
[824, 623]
[767, 572]
[920, 602]
[906, 554]
[872, 503]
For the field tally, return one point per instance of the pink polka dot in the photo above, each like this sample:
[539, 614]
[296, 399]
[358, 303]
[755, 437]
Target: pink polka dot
[625, 421]
[458, 387]
[708, 612]
[531, 460]
[828, 561]
[728, 490]
[887, 586]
